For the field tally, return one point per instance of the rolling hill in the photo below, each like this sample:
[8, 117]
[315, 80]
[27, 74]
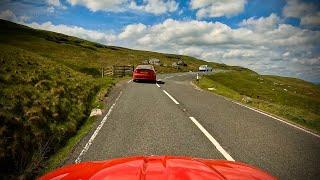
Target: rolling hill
[49, 83]
[85, 56]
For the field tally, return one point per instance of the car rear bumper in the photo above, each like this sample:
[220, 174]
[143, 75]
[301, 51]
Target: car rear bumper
[144, 77]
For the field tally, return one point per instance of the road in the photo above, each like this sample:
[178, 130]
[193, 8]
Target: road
[176, 118]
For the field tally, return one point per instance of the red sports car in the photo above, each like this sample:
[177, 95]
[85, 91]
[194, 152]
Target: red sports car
[159, 168]
[144, 72]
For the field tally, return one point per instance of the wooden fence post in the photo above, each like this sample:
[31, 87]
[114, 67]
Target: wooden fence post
[102, 72]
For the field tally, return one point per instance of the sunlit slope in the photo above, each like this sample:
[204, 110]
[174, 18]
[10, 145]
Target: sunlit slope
[86, 56]
[48, 82]
[291, 98]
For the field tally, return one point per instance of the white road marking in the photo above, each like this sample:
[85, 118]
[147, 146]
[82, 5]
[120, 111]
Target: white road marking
[275, 118]
[292, 125]
[175, 101]
[213, 141]
[195, 86]
[129, 81]
[157, 84]
[87, 146]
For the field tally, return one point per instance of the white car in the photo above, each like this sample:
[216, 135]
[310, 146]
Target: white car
[205, 68]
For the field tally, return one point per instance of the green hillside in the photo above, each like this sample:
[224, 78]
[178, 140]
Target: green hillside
[290, 98]
[85, 56]
[49, 83]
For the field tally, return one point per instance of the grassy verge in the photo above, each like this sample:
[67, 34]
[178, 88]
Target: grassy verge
[61, 155]
[42, 105]
[292, 99]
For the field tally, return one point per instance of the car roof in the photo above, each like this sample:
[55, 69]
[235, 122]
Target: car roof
[145, 67]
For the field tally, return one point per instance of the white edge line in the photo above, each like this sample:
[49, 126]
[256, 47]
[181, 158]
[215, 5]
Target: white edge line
[213, 141]
[196, 87]
[157, 84]
[87, 146]
[275, 118]
[129, 81]
[175, 101]
[292, 125]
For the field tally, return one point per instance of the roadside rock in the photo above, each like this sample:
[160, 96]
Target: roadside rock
[96, 112]
[246, 99]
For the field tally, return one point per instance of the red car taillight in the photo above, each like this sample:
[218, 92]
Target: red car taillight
[144, 71]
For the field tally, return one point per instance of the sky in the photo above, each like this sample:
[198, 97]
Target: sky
[278, 37]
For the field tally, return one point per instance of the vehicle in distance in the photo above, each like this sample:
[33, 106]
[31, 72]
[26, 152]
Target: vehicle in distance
[144, 73]
[159, 167]
[205, 68]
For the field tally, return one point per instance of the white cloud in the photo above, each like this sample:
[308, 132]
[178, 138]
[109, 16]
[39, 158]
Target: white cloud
[296, 8]
[262, 44]
[312, 19]
[150, 6]
[96, 5]
[8, 15]
[308, 13]
[54, 4]
[262, 23]
[50, 9]
[155, 6]
[192, 51]
[217, 8]
[134, 31]
[312, 61]
[92, 35]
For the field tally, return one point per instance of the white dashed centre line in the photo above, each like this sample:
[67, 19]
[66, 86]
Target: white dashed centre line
[158, 85]
[175, 101]
[213, 141]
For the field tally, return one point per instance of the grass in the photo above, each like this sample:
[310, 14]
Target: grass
[61, 155]
[292, 99]
[42, 104]
[85, 56]
[49, 84]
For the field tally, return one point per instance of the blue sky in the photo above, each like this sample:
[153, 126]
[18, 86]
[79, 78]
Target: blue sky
[272, 37]
[79, 15]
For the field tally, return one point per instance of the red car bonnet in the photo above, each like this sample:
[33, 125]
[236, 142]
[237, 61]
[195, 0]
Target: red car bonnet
[158, 167]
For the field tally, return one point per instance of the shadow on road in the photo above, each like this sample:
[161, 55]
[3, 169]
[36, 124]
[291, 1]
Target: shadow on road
[149, 82]
[160, 82]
